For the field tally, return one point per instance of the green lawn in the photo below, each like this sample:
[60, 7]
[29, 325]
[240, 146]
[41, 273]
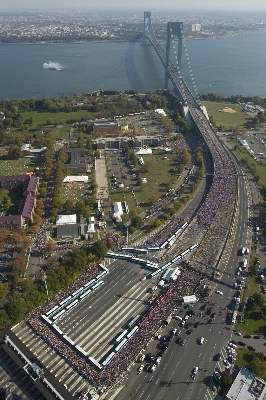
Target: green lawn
[13, 167]
[253, 324]
[158, 177]
[243, 357]
[58, 118]
[61, 118]
[220, 117]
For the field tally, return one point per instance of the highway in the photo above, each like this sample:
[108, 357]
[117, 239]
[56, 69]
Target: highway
[171, 379]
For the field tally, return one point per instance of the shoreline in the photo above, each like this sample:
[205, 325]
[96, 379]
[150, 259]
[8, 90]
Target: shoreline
[226, 36]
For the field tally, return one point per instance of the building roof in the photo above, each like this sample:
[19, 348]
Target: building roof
[32, 184]
[139, 152]
[105, 123]
[247, 386]
[68, 230]
[27, 206]
[66, 219]
[76, 178]
[16, 178]
[190, 299]
[26, 147]
[91, 228]
[10, 220]
[118, 211]
[160, 111]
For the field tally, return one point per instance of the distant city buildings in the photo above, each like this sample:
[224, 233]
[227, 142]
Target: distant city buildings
[81, 26]
[196, 28]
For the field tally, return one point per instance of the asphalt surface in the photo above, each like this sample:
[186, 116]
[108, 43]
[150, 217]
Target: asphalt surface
[171, 379]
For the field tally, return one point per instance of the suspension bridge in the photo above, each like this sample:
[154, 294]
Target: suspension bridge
[222, 199]
[172, 72]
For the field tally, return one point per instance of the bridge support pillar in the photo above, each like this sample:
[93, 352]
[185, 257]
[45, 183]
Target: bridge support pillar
[147, 25]
[173, 29]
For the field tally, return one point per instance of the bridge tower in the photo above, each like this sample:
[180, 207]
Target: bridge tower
[147, 24]
[173, 29]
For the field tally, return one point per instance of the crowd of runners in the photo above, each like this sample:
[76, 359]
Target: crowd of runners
[116, 371]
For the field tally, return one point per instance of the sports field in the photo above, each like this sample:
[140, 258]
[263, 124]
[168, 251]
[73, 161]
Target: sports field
[226, 114]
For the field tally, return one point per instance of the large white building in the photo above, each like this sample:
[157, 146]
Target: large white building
[247, 386]
[196, 27]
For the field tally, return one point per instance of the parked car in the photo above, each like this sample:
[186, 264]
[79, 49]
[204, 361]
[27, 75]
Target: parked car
[251, 348]
[243, 344]
[140, 368]
[256, 337]
[247, 336]
[226, 363]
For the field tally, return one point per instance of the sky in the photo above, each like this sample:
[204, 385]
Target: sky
[149, 5]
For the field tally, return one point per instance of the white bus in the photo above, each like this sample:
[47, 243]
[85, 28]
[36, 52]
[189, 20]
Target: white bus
[120, 345]
[85, 294]
[121, 336]
[95, 363]
[108, 359]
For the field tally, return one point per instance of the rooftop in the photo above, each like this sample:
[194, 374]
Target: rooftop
[247, 386]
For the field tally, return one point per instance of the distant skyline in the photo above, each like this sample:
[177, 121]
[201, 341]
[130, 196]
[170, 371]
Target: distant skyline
[150, 5]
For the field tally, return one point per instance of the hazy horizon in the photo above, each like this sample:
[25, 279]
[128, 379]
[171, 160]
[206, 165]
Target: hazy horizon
[150, 5]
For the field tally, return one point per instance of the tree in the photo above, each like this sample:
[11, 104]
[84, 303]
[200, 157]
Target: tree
[258, 299]
[4, 290]
[14, 153]
[258, 367]
[226, 379]
[6, 202]
[136, 221]
[99, 249]
[50, 247]
[97, 154]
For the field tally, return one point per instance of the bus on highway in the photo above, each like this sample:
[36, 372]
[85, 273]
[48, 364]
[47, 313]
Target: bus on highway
[133, 321]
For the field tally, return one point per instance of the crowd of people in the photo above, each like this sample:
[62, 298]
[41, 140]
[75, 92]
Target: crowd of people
[186, 284]
[157, 238]
[116, 371]
[216, 213]
[213, 218]
[40, 240]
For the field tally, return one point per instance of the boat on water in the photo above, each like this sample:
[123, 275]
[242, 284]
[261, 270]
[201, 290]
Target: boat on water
[52, 66]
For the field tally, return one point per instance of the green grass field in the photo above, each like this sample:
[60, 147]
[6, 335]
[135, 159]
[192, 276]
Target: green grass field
[13, 167]
[41, 118]
[158, 177]
[220, 117]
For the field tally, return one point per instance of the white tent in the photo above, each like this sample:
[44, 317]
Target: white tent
[190, 299]
[91, 228]
[66, 219]
[160, 111]
[118, 211]
[76, 178]
[140, 152]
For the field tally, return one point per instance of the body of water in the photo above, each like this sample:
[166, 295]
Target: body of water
[235, 65]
